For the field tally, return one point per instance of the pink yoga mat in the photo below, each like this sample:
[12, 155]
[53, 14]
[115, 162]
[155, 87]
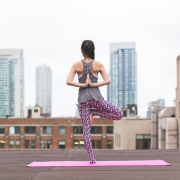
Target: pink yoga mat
[98, 163]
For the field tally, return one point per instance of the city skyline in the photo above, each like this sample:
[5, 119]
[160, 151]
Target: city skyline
[123, 73]
[11, 83]
[49, 34]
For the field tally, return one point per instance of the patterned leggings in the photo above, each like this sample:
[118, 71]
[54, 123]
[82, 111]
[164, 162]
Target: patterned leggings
[100, 108]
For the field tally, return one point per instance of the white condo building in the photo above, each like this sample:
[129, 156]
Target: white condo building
[44, 87]
[11, 83]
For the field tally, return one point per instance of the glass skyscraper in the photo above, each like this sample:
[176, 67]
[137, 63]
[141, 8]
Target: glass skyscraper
[44, 87]
[11, 83]
[123, 73]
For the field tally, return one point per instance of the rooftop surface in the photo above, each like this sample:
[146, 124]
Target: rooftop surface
[13, 165]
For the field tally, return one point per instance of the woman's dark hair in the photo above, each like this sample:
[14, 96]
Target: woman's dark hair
[88, 48]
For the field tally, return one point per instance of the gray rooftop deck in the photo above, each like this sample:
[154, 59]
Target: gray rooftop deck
[13, 165]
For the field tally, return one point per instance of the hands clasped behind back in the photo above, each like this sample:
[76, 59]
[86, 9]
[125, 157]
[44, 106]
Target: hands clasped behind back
[88, 81]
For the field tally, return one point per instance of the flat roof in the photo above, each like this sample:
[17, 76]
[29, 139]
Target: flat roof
[121, 45]
[13, 165]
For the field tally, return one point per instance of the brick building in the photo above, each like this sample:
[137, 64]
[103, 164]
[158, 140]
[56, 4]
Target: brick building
[53, 133]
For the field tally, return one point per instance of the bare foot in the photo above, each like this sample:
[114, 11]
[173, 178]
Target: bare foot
[93, 161]
[91, 118]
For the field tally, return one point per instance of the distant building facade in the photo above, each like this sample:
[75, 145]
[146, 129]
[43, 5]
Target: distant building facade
[165, 122]
[132, 133]
[123, 73]
[11, 83]
[53, 133]
[67, 133]
[44, 88]
[152, 104]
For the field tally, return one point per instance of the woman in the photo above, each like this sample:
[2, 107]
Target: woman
[91, 103]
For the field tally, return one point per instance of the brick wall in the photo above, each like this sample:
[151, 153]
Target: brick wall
[55, 138]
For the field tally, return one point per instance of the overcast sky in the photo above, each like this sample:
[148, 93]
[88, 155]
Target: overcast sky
[51, 32]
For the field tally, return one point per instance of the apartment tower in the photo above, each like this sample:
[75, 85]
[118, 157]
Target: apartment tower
[11, 83]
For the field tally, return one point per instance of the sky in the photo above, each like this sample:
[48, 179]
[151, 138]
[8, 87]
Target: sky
[51, 32]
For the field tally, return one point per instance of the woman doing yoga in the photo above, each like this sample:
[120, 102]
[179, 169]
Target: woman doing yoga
[90, 101]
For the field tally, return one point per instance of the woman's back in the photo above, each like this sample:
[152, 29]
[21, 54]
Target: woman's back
[96, 67]
[88, 92]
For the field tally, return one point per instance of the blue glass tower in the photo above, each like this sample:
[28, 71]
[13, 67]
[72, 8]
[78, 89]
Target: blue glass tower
[123, 73]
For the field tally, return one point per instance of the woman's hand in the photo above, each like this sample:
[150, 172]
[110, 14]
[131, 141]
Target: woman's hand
[89, 81]
[86, 84]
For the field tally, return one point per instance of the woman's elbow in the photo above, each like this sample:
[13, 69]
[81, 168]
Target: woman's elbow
[109, 81]
[68, 82]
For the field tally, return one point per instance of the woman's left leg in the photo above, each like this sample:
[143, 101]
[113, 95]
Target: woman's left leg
[105, 109]
[84, 111]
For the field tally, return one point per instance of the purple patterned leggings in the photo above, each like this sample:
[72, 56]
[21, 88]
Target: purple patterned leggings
[100, 108]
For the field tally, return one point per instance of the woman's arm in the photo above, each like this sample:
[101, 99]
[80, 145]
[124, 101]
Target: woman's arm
[70, 79]
[104, 75]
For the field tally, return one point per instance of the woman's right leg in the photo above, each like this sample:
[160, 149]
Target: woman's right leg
[84, 111]
[106, 109]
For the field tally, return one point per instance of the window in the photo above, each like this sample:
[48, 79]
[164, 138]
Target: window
[96, 130]
[46, 144]
[109, 129]
[14, 144]
[27, 143]
[143, 141]
[62, 144]
[109, 144]
[62, 131]
[14, 130]
[11, 144]
[78, 144]
[35, 110]
[77, 130]
[30, 130]
[2, 143]
[97, 144]
[30, 144]
[46, 130]
[1, 130]
[33, 144]
[17, 145]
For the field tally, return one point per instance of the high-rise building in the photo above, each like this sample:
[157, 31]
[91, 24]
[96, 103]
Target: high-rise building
[44, 87]
[11, 83]
[152, 104]
[123, 73]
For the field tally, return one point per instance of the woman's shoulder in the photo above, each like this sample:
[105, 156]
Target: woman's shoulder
[77, 63]
[98, 63]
